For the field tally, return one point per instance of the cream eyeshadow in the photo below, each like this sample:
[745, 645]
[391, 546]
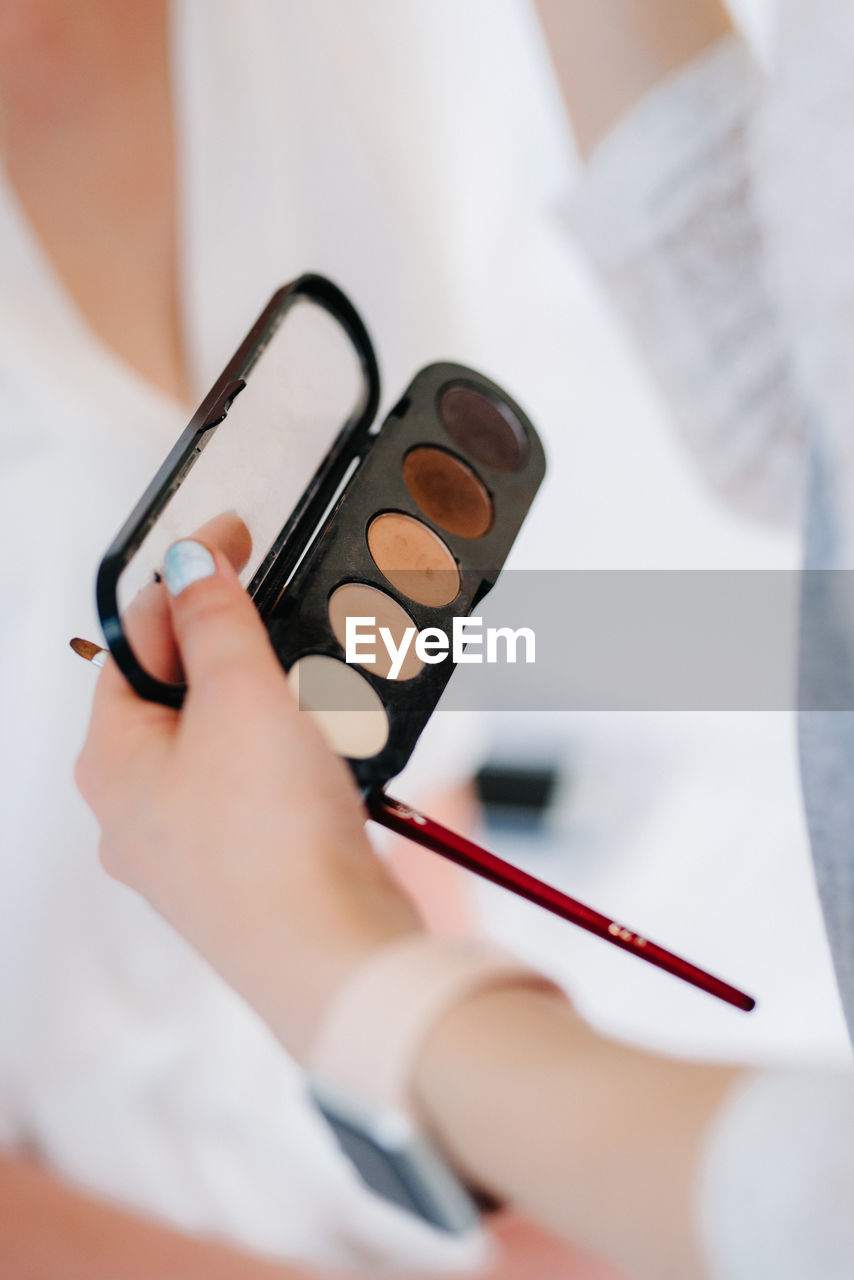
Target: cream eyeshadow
[350, 714]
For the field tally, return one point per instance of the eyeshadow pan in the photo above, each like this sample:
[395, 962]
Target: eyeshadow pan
[449, 493]
[487, 429]
[348, 711]
[358, 600]
[414, 559]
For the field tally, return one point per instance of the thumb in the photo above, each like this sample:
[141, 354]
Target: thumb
[219, 633]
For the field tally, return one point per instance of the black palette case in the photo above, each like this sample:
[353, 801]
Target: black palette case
[286, 438]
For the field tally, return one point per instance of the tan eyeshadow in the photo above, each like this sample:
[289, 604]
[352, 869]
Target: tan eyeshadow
[448, 492]
[414, 559]
[348, 711]
[358, 600]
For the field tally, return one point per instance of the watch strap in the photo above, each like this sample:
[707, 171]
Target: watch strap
[371, 1034]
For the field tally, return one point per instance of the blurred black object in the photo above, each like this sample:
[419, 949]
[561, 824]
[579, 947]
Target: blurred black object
[516, 794]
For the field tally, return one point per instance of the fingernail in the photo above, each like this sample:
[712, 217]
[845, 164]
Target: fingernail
[186, 562]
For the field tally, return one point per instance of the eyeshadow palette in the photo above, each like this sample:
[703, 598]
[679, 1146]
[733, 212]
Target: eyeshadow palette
[336, 524]
[418, 537]
[390, 531]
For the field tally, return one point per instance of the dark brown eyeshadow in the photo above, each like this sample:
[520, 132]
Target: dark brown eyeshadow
[488, 431]
[448, 492]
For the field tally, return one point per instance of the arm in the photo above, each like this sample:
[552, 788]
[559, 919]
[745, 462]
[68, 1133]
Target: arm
[52, 1232]
[609, 53]
[663, 97]
[599, 1142]
[440, 890]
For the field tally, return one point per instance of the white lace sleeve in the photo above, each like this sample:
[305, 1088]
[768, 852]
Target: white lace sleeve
[777, 1186]
[665, 209]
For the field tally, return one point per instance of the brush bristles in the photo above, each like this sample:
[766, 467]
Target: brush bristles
[87, 649]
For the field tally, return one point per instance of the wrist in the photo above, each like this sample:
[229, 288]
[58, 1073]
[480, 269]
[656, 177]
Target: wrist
[473, 1061]
[343, 924]
[363, 1065]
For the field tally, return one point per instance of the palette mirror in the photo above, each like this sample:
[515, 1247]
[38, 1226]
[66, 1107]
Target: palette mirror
[277, 431]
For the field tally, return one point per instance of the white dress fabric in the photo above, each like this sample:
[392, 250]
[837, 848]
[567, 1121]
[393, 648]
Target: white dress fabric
[720, 212]
[356, 140]
[777, 1186]
[666, 209]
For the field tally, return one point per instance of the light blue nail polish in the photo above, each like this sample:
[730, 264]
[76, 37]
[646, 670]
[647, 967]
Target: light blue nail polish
[185, 563]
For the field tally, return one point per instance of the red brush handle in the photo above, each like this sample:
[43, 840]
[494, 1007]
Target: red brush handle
[432, 835]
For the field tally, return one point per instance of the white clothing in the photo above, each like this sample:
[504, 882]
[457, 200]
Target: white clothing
[721, 211]
[777, 1182]
[665, 209]
[357, 141]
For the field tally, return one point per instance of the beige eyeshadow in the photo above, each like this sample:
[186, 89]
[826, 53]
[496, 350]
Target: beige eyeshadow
[414, 559]
[349, 712]
[358, 600]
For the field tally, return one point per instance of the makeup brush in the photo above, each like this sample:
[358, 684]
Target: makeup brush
[405, 821]
[87, 649]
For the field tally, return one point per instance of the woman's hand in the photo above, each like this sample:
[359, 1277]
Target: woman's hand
[234, 820]
[231, 816]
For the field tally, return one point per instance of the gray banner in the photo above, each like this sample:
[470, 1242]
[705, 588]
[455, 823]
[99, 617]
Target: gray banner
[663, 641]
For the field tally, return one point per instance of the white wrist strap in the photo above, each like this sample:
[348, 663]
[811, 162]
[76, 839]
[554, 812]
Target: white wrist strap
[369, 1039]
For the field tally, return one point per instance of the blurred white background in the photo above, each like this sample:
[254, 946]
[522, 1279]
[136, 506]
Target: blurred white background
[687, 826]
